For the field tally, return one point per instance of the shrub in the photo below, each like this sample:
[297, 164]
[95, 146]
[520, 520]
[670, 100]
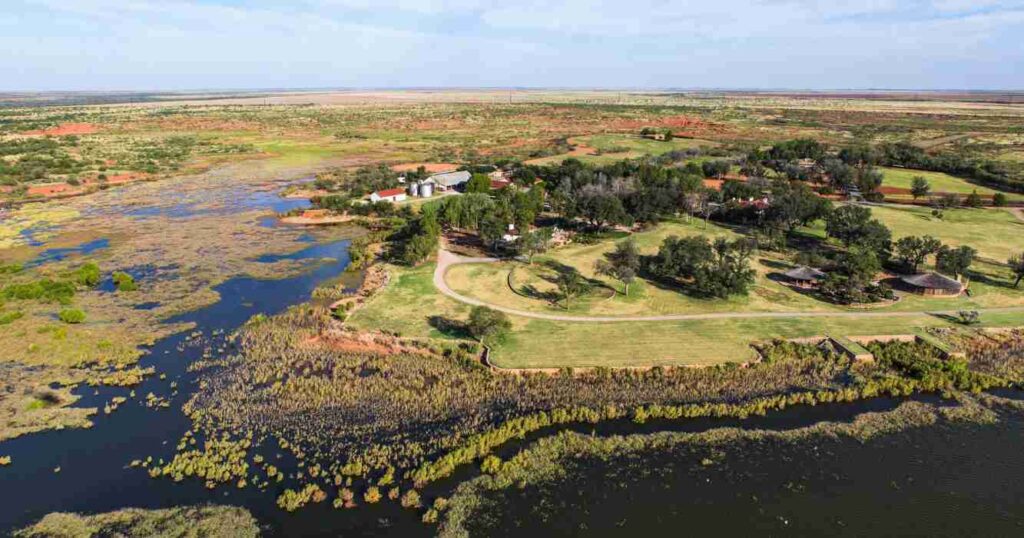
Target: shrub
[88, 275]
[71, 315]
[124, 281]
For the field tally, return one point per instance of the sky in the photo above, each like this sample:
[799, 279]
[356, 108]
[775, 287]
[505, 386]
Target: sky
[744, 44]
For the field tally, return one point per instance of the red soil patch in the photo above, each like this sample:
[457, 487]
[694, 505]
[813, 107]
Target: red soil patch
[66, 129]
[363, 343]
[48, 190]
[62, 189]
[433, 168]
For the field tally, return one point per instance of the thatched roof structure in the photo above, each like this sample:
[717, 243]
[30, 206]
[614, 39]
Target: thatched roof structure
[934, 281]
[804, 273]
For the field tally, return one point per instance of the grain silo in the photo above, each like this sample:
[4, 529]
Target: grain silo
[414, 189]
[427, 190]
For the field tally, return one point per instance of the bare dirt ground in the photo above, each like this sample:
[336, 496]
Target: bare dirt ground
[65, 129]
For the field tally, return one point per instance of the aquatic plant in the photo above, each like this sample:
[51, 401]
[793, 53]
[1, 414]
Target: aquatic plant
[71, 315]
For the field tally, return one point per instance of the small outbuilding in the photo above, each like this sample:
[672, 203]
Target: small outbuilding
[933, 284]
[388, 195]
[805, 277]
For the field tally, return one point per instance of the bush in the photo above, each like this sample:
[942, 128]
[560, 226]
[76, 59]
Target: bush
[71, 315]
[124, 281]
[88, 275]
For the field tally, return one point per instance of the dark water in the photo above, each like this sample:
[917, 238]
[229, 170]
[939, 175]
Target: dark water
[94, 476]
[964, 480]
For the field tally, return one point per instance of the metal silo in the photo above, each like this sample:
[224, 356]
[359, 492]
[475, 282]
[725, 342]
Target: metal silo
[414, 189]
[426, 190]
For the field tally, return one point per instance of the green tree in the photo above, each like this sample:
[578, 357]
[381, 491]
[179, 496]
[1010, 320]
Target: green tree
[955, 261]
[919, 187]
[622, 264]
[488, 324]
[533, 243]
[716, 169]
[974, 200]
[999, 200]
[571, 284]
[853, 224]
[492, 229]
[914, 250]
[1016, 264]
[479, 183]
[602, 208]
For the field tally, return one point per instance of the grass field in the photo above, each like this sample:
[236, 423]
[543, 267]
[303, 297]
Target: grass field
[490, 282]
[545, 344]
[610, 148]
[408, 303]
[531, 288]
[995, 233]
[903, 178]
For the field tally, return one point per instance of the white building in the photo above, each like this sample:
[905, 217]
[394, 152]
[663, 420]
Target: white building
[388, 195]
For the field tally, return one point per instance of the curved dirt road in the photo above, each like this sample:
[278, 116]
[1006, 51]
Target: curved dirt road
[446, 259]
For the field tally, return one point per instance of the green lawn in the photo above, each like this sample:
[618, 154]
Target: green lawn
[490, 282]
[903, 178]
[407, 305]
[995, 233]
[546, 344]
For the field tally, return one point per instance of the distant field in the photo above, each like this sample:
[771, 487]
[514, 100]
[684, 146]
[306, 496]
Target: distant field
[610, 148]
[903, 178]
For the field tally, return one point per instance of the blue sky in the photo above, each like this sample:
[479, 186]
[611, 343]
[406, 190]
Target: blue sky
[191, 44]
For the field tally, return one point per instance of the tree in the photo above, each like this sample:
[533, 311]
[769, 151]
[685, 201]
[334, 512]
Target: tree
[716, 169]
[974, 200]
[602, 208]
[534, 242]
[621, 264]
[713, 270]
[571, 284]
[492, 230]
[853, 225]
[914, 250]
[797, 206]
[479, 183]
[487, 324]
[999, 199]
[668, 135]
[955, 261]
[920, 187]
[1017, 266]
[868, 180]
